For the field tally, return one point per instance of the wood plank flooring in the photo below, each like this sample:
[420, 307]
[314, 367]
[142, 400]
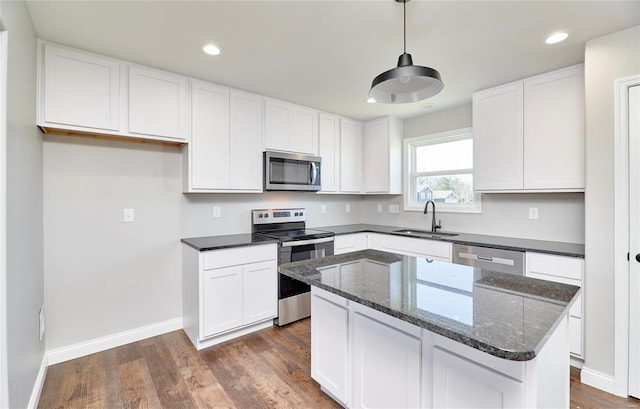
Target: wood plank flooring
[266, 369]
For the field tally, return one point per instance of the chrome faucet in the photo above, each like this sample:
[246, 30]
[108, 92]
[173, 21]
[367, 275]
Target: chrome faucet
[434, 226]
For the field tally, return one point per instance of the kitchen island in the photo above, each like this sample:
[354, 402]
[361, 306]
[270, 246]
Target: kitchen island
[399, 331]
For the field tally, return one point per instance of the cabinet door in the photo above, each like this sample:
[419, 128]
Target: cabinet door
[330, 343]
[498, 138]
[386, 365]
[209, 146]
[329, 148]
[460, 384]
[276, 125]
[554, 130]
[260, 292]
[303, 136]
[80, 90]
[245, 151]
[157, 103]
[222, 300]
[376, 156]
[350, 156]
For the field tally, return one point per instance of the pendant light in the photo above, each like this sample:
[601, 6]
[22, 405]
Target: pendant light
[407, 82]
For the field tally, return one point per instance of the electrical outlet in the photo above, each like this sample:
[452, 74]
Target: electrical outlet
[323, 209]
[533, 213]
[41, 322]
[394, 208]
[379, 208]
[128, 216]
[347, 208]
[216, 211]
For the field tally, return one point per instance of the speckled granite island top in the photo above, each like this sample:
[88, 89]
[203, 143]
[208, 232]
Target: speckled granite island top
[504, 315]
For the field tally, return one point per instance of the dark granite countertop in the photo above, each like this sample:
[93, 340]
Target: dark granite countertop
[505, 315]
[228, 241]
[499, 242]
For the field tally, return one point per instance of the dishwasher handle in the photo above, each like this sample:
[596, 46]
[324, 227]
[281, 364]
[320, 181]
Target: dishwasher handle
[491, 259]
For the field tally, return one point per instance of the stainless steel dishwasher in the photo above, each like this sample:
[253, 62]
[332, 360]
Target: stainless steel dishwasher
[487, 258]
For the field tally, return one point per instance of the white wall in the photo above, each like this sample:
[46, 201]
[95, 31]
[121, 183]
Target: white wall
[24, 263]
[104, 276]
[606, 59]
[561, 215]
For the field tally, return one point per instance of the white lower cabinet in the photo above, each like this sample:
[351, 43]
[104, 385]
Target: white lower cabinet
[565, 270]
[386, 360]
[228, 292]
[346, 243]
[461, 384]
[431, 249]
[330, 344]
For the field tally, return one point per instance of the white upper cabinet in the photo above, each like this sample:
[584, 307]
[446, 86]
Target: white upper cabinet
[350, 156]
[290, 128]
[78, 90]
[209, 146]
[225, 151]
[157, 103]
[245, 139]
[329, 150]
[554, 129]
[498, 138]
[530, 135]
[382, 156]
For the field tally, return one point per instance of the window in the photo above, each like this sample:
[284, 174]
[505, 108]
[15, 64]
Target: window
[439, 167]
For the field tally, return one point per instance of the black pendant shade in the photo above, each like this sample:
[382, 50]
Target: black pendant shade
[407, 82]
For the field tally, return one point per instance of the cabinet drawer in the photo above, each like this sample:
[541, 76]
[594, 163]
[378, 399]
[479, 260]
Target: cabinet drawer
[350, 242]
[237, 256]
[415, 247]
[557, 266]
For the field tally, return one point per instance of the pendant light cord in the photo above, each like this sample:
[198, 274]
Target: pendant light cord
[404, 8]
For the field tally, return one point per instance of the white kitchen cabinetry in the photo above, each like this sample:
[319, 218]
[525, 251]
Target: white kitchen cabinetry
[330, 344]
[228, 292]
[431, 249]
[351, 153]
[386, 360]
[382, 156]
[290, 128]
[157, 103]
[346, 243]
[459, 383]
[225, 152]
[329, 151]
[529, 136]
[77, 90]
[565, 270]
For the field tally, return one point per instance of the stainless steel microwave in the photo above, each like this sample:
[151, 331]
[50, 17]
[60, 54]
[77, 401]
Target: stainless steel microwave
[289, 171]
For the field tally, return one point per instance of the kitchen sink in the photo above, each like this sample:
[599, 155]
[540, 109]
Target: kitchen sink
[424, 233]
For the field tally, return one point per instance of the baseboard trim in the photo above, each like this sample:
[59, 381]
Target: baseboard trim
[598, 380]
[37, 387]
[111, 341]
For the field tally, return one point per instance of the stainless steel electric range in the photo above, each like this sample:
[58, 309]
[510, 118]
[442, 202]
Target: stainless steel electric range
[296, 243]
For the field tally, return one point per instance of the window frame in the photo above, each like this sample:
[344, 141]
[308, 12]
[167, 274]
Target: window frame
[409, 173]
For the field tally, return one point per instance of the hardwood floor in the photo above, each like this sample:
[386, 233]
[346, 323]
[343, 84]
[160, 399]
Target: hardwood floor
[266, 369]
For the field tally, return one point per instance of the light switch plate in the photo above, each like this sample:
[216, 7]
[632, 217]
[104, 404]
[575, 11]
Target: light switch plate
[128, 216]
[216, 211]
[323, 209]
[347, 208]
[379, 208]
[394, 208]
[533, 213]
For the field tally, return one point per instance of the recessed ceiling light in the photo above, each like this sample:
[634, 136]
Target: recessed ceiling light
[556, 37]
[371, 100]
[211, 49]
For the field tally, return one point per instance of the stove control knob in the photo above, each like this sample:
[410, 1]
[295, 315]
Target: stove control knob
[260, 216]
[266, 215]
[301, 214]
[295, 214]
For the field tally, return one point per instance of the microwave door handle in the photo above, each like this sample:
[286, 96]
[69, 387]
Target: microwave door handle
[314, 172]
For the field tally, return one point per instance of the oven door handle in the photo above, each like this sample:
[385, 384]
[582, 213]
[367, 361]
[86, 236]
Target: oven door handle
[305, 242]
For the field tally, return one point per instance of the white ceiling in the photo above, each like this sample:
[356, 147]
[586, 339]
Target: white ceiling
[324, 54]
